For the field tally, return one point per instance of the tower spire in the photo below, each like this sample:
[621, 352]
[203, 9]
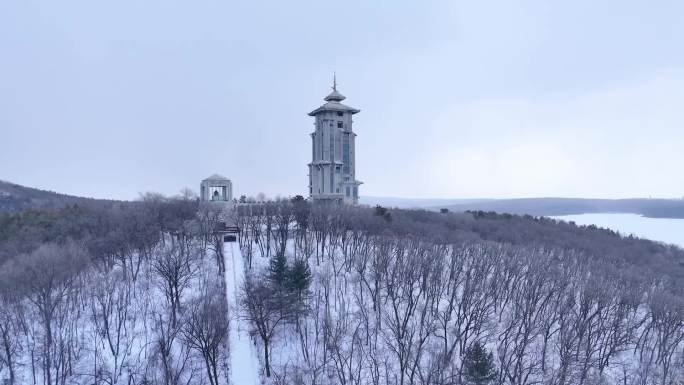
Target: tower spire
[334, 96]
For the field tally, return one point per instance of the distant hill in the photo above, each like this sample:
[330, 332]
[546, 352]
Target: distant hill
[14, 198]
[654, 208]
[415, 203]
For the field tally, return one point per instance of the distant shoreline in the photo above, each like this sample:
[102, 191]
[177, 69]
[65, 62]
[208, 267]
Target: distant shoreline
[666, 230]
[650, 208]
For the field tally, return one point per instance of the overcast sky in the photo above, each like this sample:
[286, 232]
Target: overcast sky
[458, 99]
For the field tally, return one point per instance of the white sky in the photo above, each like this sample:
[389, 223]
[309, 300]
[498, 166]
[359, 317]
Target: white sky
[458, 99]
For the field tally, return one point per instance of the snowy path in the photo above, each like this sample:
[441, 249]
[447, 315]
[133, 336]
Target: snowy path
[244, 362]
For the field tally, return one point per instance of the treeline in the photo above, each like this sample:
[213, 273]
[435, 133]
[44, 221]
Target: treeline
[117, 293]
[654, 208]
[103, 227]
[413, 297]
[15, 198]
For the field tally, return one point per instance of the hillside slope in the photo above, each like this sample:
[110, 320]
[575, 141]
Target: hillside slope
[15, 198]
[328, 294]
[405, 296]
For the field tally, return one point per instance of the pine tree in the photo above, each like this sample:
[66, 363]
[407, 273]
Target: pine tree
[299, 277]
[383, 213]
[278, 271]
[478, 365]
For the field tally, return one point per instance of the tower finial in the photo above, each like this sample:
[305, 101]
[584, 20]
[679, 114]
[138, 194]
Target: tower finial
[334, 96]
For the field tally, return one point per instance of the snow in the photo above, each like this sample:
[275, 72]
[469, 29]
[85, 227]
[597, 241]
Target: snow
[244, 361]
[666, 230]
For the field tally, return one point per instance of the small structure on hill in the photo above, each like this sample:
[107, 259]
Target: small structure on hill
[216, 206]
[216, 188]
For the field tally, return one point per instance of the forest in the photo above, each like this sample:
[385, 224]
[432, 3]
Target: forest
[133, 293]
[414, 297]
[117, 293]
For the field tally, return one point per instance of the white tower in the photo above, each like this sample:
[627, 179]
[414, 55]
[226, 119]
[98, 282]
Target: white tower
[332, 171]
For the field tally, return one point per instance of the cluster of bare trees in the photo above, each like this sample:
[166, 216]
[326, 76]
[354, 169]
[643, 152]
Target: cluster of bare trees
[394, 303]
[131, 294]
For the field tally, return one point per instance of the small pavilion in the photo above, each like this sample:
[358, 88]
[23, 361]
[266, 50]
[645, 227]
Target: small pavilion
[216, 188]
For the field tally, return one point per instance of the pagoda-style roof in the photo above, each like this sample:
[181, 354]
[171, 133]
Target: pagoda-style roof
[333, 102]
[334, 96]
[334, 106]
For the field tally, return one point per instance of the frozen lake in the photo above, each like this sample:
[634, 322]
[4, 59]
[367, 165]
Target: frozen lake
[658, 229]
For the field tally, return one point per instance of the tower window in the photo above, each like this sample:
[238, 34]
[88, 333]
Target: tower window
[340, 113]
[340, 124]
[346, 156]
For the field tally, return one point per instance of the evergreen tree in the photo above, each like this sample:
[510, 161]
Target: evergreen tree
[278, 271]
[478, 365]
[383, 213]
[299, 277]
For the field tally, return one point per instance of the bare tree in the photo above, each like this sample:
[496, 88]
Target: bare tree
[175, 268]
[265, 311]
[205, 330]
[284, 217]
[115, 321]
[523, 326]
[174, 358]
[48, 280]
[408, 319]
[209, 219]
[345, 346]
[663, 335]
[11, 318]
